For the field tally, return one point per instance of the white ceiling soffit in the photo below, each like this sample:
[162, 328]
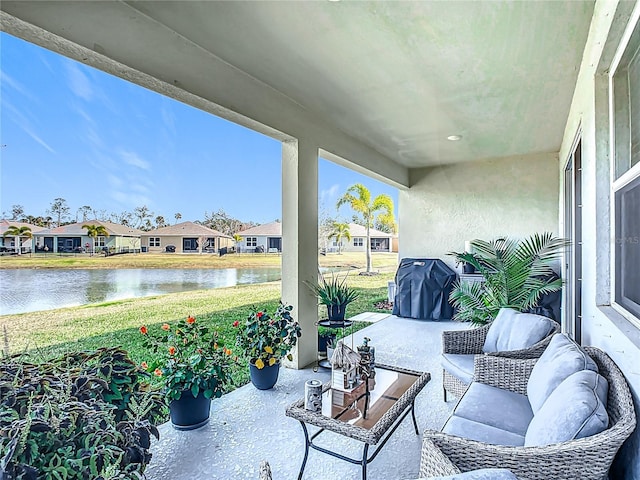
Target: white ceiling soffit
[398, 76]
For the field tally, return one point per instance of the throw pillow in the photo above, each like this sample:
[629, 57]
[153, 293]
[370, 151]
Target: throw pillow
[512, 330]
[575, 409]
[561, 358]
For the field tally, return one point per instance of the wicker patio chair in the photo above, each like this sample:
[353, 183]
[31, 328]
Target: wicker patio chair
[586, 458]
[471, 342]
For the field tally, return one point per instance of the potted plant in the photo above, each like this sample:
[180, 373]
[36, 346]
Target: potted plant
[195, 367]
[335, 294]
[517, 273]
[265, 338]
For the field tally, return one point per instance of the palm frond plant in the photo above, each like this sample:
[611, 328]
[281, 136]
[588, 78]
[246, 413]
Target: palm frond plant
[517, 274]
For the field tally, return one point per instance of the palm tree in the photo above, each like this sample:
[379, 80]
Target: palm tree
[177, 216]
[18, 233]
[517, 273]
[95, 231]
[237, 238]
[340, 231]
[359, 198]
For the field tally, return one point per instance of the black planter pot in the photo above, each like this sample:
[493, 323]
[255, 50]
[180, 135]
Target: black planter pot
[468, 268]
[322, 341]
[336, 313]
[189, 413]
[264, 378]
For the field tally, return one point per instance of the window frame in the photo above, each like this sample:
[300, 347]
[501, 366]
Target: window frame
[251, 241]
[154, 242]
[358, 241]
[621, 178]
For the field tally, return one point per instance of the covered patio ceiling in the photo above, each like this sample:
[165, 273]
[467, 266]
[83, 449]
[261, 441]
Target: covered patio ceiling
[396, 77]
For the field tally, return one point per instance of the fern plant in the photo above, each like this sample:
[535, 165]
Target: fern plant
[517, 273]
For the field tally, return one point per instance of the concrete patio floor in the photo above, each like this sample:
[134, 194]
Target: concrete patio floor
[249, 425]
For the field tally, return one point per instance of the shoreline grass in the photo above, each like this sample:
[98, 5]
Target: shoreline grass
[346, 260]
[48, 334]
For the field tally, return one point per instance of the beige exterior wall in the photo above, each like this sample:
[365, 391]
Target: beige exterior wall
[446, 205]
[178, 243]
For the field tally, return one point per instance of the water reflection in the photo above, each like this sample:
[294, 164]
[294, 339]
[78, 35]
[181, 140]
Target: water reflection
[29, 290]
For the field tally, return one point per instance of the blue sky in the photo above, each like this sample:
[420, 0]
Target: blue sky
[68, 130]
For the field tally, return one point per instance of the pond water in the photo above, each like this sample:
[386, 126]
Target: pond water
[30, 290]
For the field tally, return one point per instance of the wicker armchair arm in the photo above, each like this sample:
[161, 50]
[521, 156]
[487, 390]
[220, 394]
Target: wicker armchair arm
[434, 463]
[558, 461]
[464, 341]
[505, 373]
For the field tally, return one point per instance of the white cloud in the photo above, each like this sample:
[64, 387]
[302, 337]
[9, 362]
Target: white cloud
[10, 82]
[114, 181]
[25, 125]
[78, 82]
[130, 200]
[134, 160]
[329, 194]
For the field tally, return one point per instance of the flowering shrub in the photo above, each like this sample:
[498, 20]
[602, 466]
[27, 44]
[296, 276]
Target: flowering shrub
[265, 338]
[189, 358]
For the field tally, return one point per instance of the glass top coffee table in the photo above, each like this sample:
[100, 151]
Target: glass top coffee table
[370, 413]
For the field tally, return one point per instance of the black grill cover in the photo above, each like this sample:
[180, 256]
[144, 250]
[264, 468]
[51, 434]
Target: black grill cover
[422, 289]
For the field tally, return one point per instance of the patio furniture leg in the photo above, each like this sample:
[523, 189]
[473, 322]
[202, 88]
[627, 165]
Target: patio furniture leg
[307, 442]
[413, 416]
[365, 450]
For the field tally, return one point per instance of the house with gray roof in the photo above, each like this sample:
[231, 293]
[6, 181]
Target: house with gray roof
[185, 237]
[268, 238]
[73, 238]
[262, 238]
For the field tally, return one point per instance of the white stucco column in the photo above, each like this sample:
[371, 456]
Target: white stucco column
[300, 242]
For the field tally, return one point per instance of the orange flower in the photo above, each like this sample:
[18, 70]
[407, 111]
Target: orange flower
[144, 365]
[143, 330]
[227, 351]
[166, 327]
[259, 315]
[172, 350]
[157, 372]
[191, 320]
[236, 323]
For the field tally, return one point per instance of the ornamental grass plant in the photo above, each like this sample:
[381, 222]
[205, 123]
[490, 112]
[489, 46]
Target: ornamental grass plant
[190, 358]
[267, 337]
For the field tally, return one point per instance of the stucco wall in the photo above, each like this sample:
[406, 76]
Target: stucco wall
[446, 205]
[602, 325]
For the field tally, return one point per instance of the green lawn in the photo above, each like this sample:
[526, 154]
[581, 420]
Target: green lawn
[50, 333]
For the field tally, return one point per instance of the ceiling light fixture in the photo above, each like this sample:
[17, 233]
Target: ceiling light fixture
[454, 138]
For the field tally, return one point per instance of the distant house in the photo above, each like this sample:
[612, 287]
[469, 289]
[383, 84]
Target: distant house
[73, 238]
[9, 242]
[380, 241]
[268, 238]
[263, 238]
[185, 237]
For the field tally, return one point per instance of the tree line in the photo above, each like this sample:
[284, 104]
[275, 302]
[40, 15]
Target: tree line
[142, 218]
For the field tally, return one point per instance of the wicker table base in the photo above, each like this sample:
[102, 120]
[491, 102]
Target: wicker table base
[378, 413]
